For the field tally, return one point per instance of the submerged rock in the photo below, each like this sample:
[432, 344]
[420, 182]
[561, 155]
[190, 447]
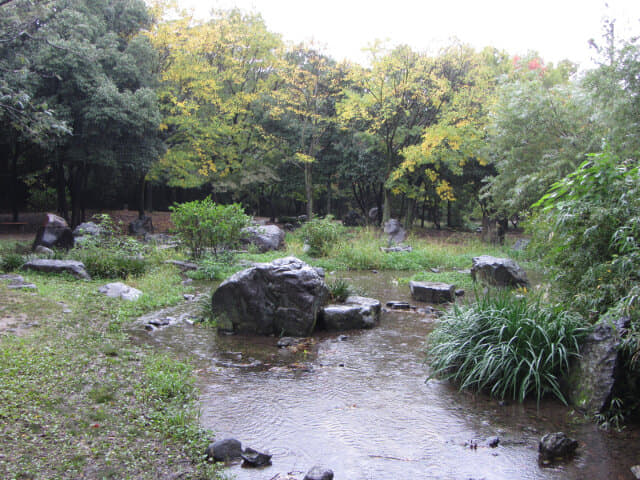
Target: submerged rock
[224, 450]
[500, 272]
[555, 446]
[283, 297]
[255, 459]
[432, 292]
[319, 473]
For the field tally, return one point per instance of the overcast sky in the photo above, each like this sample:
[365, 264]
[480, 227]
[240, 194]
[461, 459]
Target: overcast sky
[557, 29]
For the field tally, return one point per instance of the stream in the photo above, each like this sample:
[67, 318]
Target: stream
[358, 403]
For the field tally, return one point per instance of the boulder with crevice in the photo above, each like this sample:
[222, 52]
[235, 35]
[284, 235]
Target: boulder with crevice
[499, 272]
[283, 297]
[54, 233]
[594, 376]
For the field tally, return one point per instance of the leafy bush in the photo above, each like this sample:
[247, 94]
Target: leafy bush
[588, 231]
[321, 235]
[203, 224]
[506, 345]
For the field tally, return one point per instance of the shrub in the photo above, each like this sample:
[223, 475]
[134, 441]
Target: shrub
[507, 345]
[11, 261]
[321, 235]
[214, 267]
[107, 263]
[339, 289]
[203, 224]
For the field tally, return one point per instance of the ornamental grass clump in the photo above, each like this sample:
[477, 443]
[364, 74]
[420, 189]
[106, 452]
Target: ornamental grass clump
[510, 346]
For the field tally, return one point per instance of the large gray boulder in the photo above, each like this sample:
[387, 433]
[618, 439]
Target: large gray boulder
[265, 237]
[75, 268]
[283, 297]
[54, 233]
[393, 228]
[224, 450]
[432, 292]
[500, 272]
[354, 314]
[592, 378]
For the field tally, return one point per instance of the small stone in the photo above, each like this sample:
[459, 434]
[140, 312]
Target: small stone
[254, 459]
[398, 305]
[636, 471]
[343, 338]
[319, 473]
[493, 442]
[224, 450]
[120, 290]
[42, 250]
[22, 286]
[556, 445]
[459, 293]
[187, 281]
[435, 270]
[188, 297]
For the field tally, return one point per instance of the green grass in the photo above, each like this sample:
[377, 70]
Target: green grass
[509, 345]
[79, 400]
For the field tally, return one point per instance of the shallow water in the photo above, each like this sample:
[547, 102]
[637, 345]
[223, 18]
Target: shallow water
[360, 405]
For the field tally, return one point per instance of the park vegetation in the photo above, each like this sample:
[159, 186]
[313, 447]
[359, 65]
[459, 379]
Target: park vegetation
[112, 102]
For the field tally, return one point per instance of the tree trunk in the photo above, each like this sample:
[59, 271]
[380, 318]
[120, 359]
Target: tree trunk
[386, 205]
[408, 219]
[14, 183]
[61, 187]
[308, 188]
[140, 196]
[329, 196]
[76, 187]
[148, 197]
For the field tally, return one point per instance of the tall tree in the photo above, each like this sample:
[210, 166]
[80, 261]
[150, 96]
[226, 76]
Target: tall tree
[394, 101]
[215, 77]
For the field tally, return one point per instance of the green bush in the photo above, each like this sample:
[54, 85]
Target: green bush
[107, 263]
[11, 261]
[339, 289]
[203, 224]
[214, 267]
[321, 235]
[507, 345]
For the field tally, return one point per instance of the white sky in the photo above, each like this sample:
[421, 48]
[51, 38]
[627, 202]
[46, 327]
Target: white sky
[557, 29]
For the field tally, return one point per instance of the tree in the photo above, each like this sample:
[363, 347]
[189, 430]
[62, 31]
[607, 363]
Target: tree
[393, 101]
[215, 77]
[541, 131]
[306, 95]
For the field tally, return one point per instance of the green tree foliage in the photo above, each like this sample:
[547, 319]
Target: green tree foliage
[215, 77]
[393, 101]
[540, 132]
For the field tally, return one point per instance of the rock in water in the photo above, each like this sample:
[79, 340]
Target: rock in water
[224, 450]
[54, 233]
[355, 313]
[432, 292]
[319, 473]
[500, 272]
[253, 458]
[283, 297]
[592, 377]
[556, 446]
[265, 237]
[73, 267]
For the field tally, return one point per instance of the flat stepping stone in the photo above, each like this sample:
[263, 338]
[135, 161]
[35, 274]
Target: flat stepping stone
[120, 290]
[75, 268]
